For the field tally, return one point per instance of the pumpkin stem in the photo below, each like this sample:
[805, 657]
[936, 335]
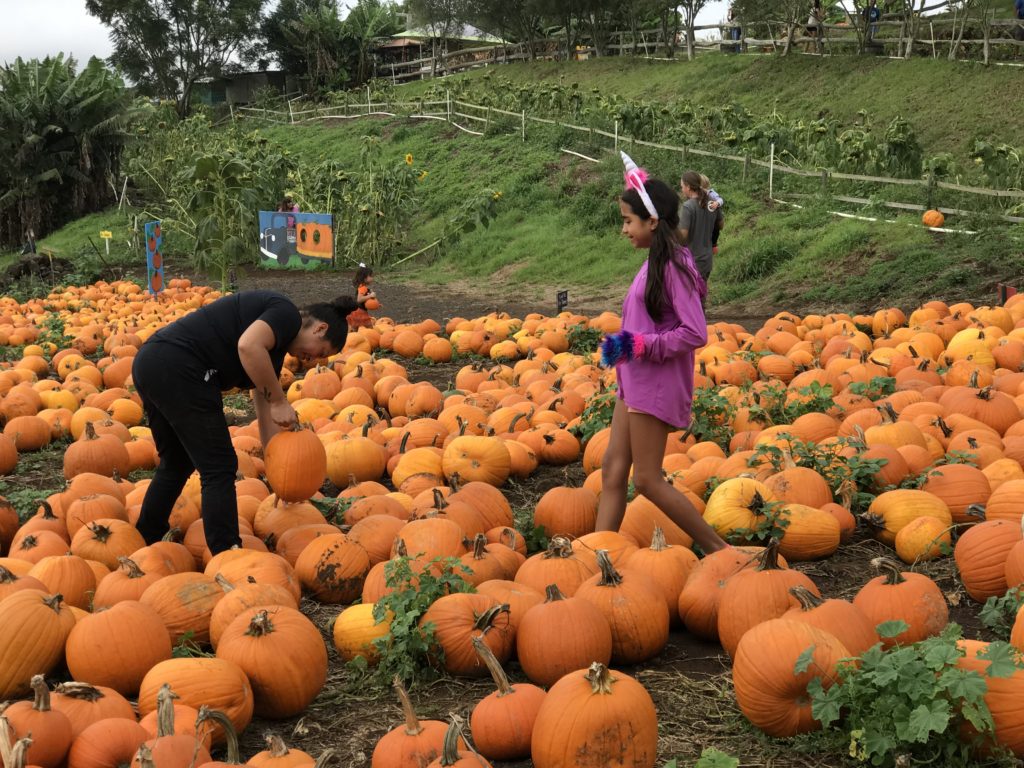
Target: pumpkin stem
[609, 576]
[130, 567]
[47, 510]
[275, 745]
[973, 380]
[553, 593]
[174, 535]
[479, 544]
[890, 568]
[6, 577]
[165, 711]
[42, 694]
[260, 625]
[941, 424]
[412, 723]
[600, 678]
[405, 442]
[439, 500]
[450, 750]
[99, 531]
[29, 542]
[401, 550]
[807, 599]
[658, 543]
[559, 546]
[510, 534]
[15, 755]
[455, 481]
[875, 521]
[493, 666]
[325, 757]
[145, 757]
[485, 620]
[768, 559]
[80, 691]
[223, 583]
[54, 601]
[206, 715]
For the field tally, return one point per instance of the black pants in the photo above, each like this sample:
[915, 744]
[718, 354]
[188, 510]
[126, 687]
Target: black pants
[185, 409]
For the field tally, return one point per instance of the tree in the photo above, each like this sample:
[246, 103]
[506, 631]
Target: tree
[520, 21]
[441, 18]
[669, 20]
[690, 10]
[61, 136]
[368, 21]
[325, 45]
[166, 46]
[790, 13]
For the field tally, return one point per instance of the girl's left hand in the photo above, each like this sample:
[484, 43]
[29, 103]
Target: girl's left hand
[713, 205]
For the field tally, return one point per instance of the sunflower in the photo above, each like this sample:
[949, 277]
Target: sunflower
[408, 158]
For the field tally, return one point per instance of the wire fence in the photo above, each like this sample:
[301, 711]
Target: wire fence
[783, 181]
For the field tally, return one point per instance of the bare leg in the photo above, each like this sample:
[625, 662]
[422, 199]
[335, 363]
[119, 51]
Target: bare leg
[615, 472]
[647, 441]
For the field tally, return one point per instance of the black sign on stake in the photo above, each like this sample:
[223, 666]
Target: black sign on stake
[561, 300]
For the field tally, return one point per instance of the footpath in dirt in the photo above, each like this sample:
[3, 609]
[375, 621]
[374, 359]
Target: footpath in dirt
[408, 301]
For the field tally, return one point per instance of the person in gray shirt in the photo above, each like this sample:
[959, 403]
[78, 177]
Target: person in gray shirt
[698, 222]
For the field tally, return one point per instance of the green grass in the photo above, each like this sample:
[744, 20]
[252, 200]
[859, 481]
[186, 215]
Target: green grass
[949, 104]
[558, 225]
[71, 241]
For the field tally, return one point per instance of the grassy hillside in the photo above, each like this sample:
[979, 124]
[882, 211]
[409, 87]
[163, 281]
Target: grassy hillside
[559, 227]
[948, 103]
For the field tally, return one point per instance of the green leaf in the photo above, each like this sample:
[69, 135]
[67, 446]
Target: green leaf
[713, 758]
[1002, 658]
[804, 660]
[890, 629]
[926, 719]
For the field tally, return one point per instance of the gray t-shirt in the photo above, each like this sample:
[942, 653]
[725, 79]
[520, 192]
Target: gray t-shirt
[700, 224]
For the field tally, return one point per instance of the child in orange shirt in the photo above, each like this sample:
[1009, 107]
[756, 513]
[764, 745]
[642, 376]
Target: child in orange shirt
[365, 298]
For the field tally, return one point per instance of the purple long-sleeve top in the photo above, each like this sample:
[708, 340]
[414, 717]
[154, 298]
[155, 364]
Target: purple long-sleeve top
[661, 382]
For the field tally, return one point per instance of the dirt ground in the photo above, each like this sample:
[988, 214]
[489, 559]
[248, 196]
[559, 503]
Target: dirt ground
[408, 301]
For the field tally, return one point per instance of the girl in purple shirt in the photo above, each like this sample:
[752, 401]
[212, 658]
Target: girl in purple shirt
[662, 326]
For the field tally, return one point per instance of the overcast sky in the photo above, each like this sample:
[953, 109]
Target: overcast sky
[35, 28]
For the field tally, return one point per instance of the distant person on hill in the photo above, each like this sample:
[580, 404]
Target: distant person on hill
[287, 205]
[698, 220]
[365, 298]
[735, 30]
[662, 327]
[1018, 33]
[814, 25]
[871, 15]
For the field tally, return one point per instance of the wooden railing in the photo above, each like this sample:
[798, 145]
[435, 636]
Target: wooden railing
[890, 34]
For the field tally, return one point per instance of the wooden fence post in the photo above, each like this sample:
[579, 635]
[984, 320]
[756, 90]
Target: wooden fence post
[771, 172]
[616, 135]
[448, 99]
[524, 125]
[824, 183]
[487, 121]
[746, 166]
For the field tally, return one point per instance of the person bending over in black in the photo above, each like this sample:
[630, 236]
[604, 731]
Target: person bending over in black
[238, 341]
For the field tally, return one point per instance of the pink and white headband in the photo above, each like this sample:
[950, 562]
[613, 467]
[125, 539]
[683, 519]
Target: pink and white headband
[635, 178]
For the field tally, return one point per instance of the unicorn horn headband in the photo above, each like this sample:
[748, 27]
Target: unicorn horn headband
[635, 178]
